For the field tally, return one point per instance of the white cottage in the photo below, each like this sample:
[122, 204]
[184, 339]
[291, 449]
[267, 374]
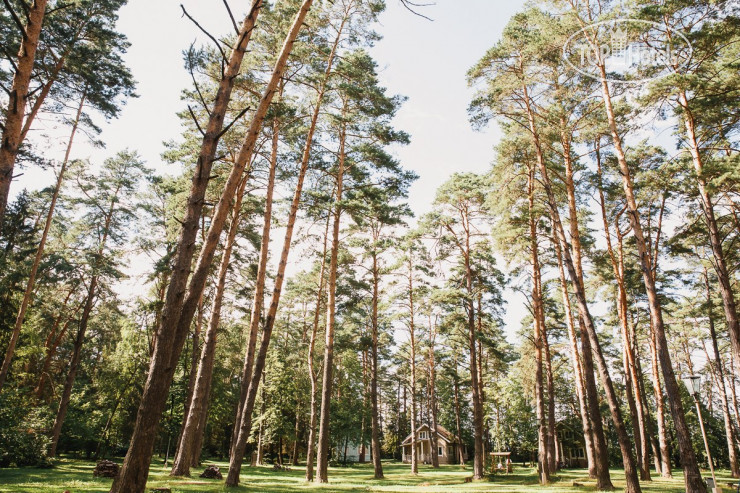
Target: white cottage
[448, 446]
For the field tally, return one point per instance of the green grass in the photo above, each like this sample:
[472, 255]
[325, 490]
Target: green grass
[76, 477]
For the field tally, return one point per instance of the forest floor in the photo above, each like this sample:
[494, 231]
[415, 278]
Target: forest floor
[76, 476]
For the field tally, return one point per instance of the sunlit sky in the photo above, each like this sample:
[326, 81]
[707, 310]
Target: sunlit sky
[418, 58]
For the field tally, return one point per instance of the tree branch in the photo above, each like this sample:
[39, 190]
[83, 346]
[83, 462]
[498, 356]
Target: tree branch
[10, 59]
[60, 7]
[196, 121]
[195, 82]
[233, 21]
[227, 127]
[410, 6]
[17, 20]
[215, 41]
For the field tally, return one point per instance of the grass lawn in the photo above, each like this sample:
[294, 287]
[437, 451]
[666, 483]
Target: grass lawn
[76, 477]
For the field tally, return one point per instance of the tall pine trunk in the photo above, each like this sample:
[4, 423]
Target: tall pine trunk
[551, 434]
[195, 420]
[601, 454]
[28, 293]
[433, 393]
[632, 389]
[478, 459]
[412, 367]
[375, 450]
[715, 237]
[311, 446]
[82, 328]
[729, 428]
[13, 124]
[322, 453]
[170, 334]
[577, 369]
[246, 415]
[458, 420]
[538, 323]
[692, 475]
[628, 460]
[258, 297]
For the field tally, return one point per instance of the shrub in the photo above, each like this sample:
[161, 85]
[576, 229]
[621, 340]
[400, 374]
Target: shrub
[22, 438]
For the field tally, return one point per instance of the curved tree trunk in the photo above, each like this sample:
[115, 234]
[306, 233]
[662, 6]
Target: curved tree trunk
[82, 328]
[718, 369]
[74, 364]
[628, 460]
[601, 454]
[192, 433]
[715, 238]
[692, 475]
[259, 285]
[28, 294]
[170, 335]
[576, 363]
[13, 124]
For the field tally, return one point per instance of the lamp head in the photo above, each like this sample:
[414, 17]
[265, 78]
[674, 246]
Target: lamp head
[693, 384]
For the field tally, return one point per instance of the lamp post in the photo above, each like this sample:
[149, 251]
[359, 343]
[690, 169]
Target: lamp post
[693, 385]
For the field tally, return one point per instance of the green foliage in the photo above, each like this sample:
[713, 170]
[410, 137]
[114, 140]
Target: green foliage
[22, 438]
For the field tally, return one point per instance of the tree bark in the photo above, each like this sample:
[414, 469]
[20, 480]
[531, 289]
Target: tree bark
[433, 393]
[458, 422]
[576, 363]
[246, 417]
[322, 454]
[692, 475]
[478, 459]
[715, 238]
[551, 434]
[538, 322]
[82, 328]
[632, 482]
[310, 448]
[74, 364]
[374, 421]
[170, 335]
[729, 428]
[632, 388]
[600, 451]
[197, 413]
[259, 286]
[412, 366]
[13, 125]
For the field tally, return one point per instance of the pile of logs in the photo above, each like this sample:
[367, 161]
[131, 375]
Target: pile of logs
[105, 469]
[212, 472]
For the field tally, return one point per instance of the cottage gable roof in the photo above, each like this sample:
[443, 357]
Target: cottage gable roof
[442, 433]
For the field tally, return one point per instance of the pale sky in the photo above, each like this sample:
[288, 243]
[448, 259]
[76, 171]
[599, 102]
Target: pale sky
[423, 60]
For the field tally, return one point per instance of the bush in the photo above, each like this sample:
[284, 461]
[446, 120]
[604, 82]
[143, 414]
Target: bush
[22, 438]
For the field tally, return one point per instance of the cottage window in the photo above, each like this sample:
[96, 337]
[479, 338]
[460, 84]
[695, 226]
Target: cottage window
[581, 453]
[422, 434]
[439, 451]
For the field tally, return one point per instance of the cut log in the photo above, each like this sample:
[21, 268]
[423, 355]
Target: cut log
[212, 472]
[105, 469]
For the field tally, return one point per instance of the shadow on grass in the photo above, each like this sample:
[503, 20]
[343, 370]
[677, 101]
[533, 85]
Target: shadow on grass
[76, 476]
